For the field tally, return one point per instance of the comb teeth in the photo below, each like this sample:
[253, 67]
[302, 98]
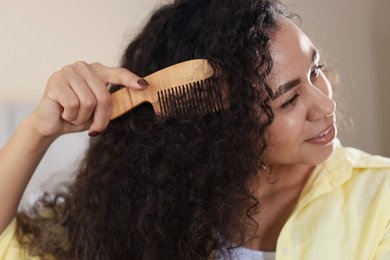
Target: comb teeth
[193, 99]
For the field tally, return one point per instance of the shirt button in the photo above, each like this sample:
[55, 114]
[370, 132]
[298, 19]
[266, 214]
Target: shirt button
[285, 251]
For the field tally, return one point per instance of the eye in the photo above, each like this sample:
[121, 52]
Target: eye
[316, 71]
[290, 102]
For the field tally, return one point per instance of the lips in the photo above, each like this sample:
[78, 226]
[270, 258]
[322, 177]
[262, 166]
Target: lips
[325, 136]
[324, 133]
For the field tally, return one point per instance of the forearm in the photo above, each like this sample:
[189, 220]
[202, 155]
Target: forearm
[18, 161]
[65, 107]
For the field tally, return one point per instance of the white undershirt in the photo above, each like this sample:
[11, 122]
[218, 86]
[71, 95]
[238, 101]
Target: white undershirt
[242, 253]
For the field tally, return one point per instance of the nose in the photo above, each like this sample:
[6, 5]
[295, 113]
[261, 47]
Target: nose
[321, 104]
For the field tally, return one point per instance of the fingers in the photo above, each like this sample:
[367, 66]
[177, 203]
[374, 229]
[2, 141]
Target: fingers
[101, 107]
[108, 75]
[83, 107]
[81, 90]
[120, 76]
[73, 94]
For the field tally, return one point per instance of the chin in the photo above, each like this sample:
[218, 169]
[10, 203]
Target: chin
[321, 154]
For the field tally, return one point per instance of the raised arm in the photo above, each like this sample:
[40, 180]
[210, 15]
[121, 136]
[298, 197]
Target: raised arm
[75, 99]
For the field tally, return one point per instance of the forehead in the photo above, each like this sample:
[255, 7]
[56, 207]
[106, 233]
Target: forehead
[290, 45]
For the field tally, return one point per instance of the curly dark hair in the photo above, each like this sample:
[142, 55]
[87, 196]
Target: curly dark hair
[172, 188]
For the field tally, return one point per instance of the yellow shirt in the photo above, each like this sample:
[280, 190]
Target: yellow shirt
[9, 246]
[343, 213]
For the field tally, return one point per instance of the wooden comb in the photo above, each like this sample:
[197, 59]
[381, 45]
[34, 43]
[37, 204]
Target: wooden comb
[179, 90]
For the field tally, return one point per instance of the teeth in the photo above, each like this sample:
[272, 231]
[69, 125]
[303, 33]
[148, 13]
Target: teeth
[325, 133]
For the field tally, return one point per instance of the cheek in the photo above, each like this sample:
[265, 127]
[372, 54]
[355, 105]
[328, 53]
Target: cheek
[287, 130]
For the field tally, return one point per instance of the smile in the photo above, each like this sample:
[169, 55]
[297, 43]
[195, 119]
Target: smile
[325, 133]
[325, 137]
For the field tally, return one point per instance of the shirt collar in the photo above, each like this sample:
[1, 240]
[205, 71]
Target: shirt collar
[338, 168]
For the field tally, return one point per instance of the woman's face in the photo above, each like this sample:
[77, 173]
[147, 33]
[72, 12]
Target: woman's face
[303, 130]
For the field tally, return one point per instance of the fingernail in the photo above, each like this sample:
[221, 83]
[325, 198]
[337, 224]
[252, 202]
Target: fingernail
[143, 83]
[93, 133]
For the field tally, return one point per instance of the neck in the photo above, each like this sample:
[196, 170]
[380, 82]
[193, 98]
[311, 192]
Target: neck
[278, 196]
[282, 178]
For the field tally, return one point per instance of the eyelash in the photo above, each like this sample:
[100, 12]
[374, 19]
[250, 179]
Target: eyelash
[316, 71]
[290, 102]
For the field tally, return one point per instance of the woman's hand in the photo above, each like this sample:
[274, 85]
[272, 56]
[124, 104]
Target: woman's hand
[76, 98]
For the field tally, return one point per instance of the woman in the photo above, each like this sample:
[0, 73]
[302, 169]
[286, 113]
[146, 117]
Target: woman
[265, 177]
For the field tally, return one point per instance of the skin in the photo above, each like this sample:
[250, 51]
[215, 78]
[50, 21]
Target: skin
[302, 112]
[75, 99]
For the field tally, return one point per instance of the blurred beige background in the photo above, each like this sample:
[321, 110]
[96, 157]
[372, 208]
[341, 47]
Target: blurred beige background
[39, 37]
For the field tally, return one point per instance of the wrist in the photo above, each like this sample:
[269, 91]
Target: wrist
[35, 131]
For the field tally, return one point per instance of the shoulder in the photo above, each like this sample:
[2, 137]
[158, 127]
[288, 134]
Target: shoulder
[356, 160]
[360, 159]
[363, 172]
[359, 169]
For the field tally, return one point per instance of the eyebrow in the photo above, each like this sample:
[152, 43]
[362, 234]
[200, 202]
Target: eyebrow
[292, 83]
[286, 87]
